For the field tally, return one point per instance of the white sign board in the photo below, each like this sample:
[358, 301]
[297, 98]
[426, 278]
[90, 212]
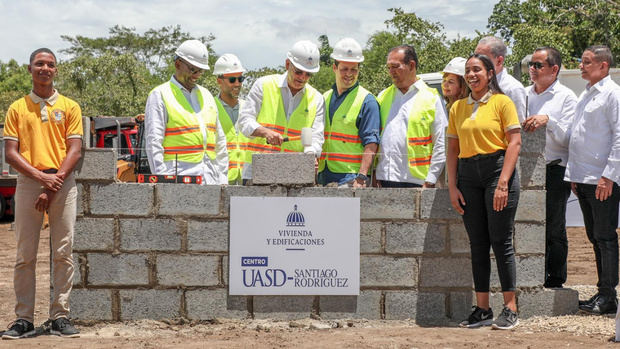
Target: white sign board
[294, 246]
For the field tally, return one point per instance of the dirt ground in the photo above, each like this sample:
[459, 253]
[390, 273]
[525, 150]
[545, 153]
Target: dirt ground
[538, 332]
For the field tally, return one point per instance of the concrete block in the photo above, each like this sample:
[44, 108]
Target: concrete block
[77, 272]
[251, 191]
[388, 271]
[150, 304]
[188, 199]
[370, 237]
[91, 304]
[225, 273]
[445, 272]
[530, 271]
[415, 238]
[177, 270]
[548, 302]
[212, 304]
[150, 234]
[123, 269]
[435, 203]
[283, 168]
[97, 164]
[386, 203]
[425, 308]
[529, 238]
[93, 234]
[321, 192]
[81, 202]
[461, 305]
[533, 142]
[532, 170]
[459, 240]
[282, 307]
[365, 306]
[207, 236]
[131, 199]
[531, 206]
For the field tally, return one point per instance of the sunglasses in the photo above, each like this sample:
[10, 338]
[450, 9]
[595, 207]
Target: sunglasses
[536, 65]
[193, 70]
[233, 79]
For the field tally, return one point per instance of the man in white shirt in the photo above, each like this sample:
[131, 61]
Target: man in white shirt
[496, 50]
[594, 170]
[183, 133]
[413, 123]
[279, 106]
[552, 104]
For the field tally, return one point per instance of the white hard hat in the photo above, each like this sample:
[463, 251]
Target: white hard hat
[227, 64]
[195, 53]
[305, 56]
[456, 66]
[348, 50]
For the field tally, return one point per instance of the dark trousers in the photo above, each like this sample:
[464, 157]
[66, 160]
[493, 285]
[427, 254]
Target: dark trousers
[601, 220]
[556, 243]
[390, 184]
[486, 228]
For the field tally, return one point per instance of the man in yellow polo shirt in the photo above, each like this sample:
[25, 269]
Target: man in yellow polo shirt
[43, 139]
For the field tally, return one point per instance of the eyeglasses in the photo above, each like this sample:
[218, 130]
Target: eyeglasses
[233, 79]
[193, 70]
[536, 65]
[301, 72]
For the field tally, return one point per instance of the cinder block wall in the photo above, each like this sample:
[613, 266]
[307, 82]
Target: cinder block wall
[161, 251]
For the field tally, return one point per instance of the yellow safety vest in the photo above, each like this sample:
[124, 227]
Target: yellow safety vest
[343, 149]
[419, 134]
[273, 117]
[236, 143]
[183, 140]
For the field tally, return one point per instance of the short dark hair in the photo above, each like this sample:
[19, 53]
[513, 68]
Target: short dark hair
[602, 53]
[488, 65]
[554, 57]
[42, 50]
[409, 52]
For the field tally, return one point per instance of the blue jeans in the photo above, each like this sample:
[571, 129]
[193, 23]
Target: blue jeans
[601, 221]
[487, 228]
[326, 176]
[556, 243]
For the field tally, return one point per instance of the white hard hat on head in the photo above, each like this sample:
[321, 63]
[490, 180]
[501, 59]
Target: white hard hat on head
[195, 53]
[348, 50]
[227, 64]
[305, 56]
[456, 66]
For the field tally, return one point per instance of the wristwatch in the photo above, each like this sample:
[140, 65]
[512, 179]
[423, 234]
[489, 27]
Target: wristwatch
[362, 177]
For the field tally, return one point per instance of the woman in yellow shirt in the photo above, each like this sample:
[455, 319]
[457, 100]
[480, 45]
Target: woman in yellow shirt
[483, 147]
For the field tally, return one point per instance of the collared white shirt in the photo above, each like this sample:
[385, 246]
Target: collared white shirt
[515, 90]
[558, 103]
[251, 108]
[594, 148]
[155, 119]
[393, 156]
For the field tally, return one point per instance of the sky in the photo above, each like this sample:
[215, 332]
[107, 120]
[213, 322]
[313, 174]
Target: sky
[258, 32]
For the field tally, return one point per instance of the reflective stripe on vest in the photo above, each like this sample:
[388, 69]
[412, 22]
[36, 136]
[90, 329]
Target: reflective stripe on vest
[273, 117]
[419, 126]
[343, 149]
[236, 143]
[183, 139]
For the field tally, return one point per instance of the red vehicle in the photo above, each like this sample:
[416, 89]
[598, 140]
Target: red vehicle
[8, 182]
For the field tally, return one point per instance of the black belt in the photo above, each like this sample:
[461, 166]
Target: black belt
[50, 171]
[483, 156]
[554, 162]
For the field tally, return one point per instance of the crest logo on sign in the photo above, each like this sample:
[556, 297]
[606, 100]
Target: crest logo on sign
[295, 218]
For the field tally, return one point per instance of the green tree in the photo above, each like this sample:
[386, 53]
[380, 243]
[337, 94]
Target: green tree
[15, 82]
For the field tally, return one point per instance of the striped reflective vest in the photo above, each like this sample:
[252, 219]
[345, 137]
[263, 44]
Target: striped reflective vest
[236, 143]
[343, 149]
[419, 126]
[183, 140]
[273, 117]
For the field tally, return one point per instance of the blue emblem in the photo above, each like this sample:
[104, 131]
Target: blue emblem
[295, 219]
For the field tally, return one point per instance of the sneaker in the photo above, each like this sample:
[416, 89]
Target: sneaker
[20, 328]
[479, 317]
[507, 320]
[63, 327]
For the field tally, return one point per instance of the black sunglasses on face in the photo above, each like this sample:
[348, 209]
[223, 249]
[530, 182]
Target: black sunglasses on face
[232, 79]
[536, 65]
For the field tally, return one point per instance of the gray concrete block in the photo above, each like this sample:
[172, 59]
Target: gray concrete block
[530, 271]
[548, 302]
[77, 272]
[533, 142]
[321, 192]
[370, 237]
[529, 238]
[365, 306]
[415, 238]
[81, 202]
[388, 271]
[212, 304]
[248, 191]
[97, 164]
[188, 199]
[459, 240]
[91, 304]
[425, 308]
[123, 269]
[225, 273]
[150, 304]
[386, 203]
[531, 206]
[177, 270]
[283, 168]
[461, 305]
[150, 234]
[282, 307]
[532, 170]
[131, 199]
[207, 236]
[435, 203]
[93, 234]
[445, 272]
